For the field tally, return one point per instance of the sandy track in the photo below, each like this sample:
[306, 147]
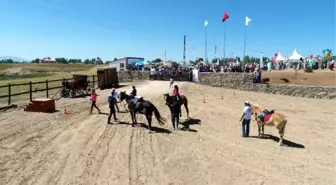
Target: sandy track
[78, 148]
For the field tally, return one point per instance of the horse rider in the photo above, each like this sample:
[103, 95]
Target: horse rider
[176, 92]
[114, 93]
[112, 100]
[246, 117]
[134, 91]
[137, 99]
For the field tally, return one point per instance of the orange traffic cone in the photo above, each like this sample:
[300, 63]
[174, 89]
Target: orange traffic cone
[204, 99]
[222, 97]
[65, 110]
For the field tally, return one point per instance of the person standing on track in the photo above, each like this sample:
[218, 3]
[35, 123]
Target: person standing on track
[93, 101]
[112, 104]
[246, 118]
[114, 93]
[175, 112]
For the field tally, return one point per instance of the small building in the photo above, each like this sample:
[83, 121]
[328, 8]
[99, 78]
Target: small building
[122, 63]
[47, 61]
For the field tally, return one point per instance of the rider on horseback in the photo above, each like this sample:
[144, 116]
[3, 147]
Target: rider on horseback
[176, 93]
[137, 100]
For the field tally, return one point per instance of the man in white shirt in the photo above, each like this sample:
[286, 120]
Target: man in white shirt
[115, 95]
[246, 118]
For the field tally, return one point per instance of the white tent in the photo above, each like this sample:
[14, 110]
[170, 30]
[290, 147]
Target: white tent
[295, 56]
[279, 57]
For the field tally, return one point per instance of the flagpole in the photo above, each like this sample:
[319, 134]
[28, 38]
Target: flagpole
[165, 57]
[224, 41]
[206, 44]
[244, 43]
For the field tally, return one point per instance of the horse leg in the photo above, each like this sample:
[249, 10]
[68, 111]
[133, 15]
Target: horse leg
[132, 118]
[135, 118]
[262, 130]
[149, 121]
[259, 128]
[187, 109]
[281, 133]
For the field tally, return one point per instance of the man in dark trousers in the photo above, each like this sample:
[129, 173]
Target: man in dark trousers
[115, 95]
[175, 112]
[246, 118]
[112, 102]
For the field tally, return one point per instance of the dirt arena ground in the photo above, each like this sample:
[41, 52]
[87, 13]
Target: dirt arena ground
[79, 148]
[317, 78]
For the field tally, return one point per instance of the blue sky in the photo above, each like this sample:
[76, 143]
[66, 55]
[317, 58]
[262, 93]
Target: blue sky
[146, 28]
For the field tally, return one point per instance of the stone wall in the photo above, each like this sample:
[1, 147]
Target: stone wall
[129, 76]
[244, 81]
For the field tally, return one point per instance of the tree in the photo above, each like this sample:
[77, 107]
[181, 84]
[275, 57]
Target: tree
[215, 60]
[61, 60]
[37, 60]
[115, 59]
[158, 60]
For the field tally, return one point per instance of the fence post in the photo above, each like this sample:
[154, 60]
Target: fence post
[93, 81]
[47, 88]
[30, 91]
[9, 94]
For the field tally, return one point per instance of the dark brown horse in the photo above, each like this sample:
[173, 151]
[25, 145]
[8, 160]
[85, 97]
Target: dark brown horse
[183, 101]
[142, 107]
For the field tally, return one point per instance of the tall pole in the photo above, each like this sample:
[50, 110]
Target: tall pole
[165, 56]
[206, 44]
[184, 48]
[224, 40]
[216, 53]
[244, 43]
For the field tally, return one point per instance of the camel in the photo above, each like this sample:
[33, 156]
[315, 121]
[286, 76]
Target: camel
[271, 119]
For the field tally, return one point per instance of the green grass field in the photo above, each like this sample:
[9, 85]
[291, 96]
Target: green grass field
[25, 73]
[44, 68]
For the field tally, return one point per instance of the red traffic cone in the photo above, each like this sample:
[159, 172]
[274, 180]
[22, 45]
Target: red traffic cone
[204, 99]
[65, 110]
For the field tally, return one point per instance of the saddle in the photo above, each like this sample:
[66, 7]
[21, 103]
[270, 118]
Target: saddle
[265, 115]
[138, 106]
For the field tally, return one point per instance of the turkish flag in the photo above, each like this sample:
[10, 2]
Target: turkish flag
[225, 16]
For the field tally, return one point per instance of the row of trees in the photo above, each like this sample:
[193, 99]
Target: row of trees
[97, 60]
[60, 60]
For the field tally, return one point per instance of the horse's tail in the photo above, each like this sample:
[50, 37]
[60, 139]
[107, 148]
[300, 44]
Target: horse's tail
[158, 116]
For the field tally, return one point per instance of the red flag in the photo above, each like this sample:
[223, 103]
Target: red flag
[225, 16]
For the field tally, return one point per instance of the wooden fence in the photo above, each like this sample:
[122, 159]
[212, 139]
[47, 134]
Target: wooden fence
[46, 83]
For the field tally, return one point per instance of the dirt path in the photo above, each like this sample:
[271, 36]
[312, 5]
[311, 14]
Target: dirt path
[79, 148]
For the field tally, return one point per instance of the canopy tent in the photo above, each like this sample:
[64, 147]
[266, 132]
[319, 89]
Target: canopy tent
[295, 55]
[279, 57]
[141, 63]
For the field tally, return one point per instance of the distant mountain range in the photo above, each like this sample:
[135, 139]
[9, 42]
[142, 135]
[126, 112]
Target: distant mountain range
[14, 58]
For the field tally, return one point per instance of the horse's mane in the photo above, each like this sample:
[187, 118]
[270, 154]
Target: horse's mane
[256, 108]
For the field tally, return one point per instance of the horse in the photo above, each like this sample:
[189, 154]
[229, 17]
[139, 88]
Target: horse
[143, 107]
[274, 119]
[184, 101]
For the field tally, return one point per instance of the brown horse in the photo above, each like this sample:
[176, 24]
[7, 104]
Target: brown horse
[276, 119]
[183, 101]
